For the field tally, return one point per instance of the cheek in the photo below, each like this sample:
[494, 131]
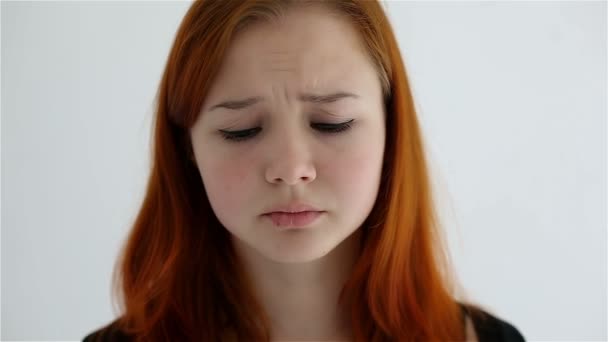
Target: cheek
[356, 174]
[226, 184]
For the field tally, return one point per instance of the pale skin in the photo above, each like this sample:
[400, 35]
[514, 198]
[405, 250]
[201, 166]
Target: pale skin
[297, 274]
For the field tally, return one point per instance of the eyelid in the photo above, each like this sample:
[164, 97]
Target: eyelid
[345, 124]
[329, 128]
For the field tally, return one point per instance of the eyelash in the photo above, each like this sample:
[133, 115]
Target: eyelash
[237, 136]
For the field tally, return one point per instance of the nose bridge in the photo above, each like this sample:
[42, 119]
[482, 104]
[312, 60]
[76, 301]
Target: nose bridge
[290, 155]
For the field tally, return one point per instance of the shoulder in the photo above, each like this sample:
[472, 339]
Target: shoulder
[108, 333]
[489, 327]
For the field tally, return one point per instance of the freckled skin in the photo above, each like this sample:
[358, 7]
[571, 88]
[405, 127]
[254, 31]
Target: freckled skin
[288, 159]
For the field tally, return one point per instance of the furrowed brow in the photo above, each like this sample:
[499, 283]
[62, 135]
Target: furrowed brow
[237, 104]
[313, 98]
[326, 98]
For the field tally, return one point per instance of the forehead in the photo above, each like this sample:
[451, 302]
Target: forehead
[306, 49]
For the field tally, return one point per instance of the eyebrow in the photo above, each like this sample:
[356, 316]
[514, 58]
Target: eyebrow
[306, 97]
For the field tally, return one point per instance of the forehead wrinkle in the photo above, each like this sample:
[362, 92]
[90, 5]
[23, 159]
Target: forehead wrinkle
[281, 94]
[286, 70]
[281, 61]
[286, 94]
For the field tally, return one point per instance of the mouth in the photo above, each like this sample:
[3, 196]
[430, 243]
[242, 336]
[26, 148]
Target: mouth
[293, 220]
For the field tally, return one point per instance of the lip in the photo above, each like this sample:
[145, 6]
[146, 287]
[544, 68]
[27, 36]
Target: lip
[294, 207]
[293, 215]
[301, 219]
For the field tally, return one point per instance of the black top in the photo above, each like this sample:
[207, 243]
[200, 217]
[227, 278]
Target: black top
[488, 328]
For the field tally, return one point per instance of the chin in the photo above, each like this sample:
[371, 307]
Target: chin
[292, 252]
[296, 258]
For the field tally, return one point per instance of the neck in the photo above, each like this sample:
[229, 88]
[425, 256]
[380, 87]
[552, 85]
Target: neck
[301, 299]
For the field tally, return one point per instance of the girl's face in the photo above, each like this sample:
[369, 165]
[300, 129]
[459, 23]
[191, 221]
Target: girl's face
[297, 141]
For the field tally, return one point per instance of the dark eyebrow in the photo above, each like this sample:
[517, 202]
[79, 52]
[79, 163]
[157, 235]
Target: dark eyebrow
[237, 104]
[314, 98]
[326, 98]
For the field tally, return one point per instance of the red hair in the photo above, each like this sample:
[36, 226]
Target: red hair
[177, 277]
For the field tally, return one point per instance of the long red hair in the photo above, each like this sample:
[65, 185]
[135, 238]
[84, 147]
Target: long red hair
[177, 277]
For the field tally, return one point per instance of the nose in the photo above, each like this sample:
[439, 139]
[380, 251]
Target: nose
[290, 161]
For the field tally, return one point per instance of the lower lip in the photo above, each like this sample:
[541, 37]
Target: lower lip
[294, 220]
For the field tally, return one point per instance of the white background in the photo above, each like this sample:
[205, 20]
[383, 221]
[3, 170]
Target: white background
[511, 97]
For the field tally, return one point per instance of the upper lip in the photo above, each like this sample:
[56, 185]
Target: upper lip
[293, 207]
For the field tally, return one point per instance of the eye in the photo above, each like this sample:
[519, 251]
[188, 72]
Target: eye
[240, 135]
[246, 134]
[333, 128]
